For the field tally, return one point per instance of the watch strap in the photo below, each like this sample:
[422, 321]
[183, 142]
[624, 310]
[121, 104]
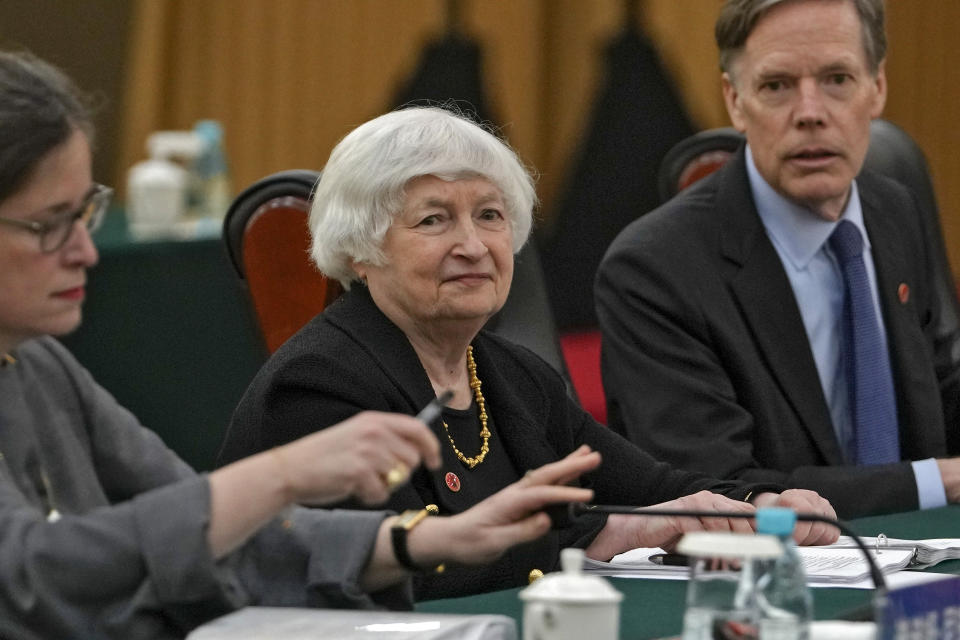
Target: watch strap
[398, 536]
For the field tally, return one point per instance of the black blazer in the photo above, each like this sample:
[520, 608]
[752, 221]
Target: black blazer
[706, 362]
[352, 358]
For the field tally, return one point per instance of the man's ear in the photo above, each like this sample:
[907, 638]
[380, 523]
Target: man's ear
[880, 99]
[732, 99]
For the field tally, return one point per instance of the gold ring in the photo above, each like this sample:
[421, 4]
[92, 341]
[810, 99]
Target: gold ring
[396, 476]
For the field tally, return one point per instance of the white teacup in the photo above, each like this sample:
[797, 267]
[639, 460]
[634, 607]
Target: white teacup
[569, 605]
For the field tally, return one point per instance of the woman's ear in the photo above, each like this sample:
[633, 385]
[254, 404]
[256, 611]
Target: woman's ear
[360, 269]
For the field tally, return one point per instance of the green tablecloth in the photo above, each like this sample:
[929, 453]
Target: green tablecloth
[168, 329]
[654, 608]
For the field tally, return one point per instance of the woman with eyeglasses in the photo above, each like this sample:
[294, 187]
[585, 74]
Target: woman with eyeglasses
[104, 532]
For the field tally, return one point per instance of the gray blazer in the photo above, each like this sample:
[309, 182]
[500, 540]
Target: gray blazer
[129, 557]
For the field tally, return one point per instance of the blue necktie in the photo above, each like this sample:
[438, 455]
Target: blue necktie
[864, 356]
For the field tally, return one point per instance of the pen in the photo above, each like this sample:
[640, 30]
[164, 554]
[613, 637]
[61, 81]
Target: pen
[433, 409]
[670, 559]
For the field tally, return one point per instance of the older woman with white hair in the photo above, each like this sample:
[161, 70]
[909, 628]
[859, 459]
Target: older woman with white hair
[418, 214]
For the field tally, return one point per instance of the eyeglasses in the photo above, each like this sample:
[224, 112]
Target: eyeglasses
[54, 234]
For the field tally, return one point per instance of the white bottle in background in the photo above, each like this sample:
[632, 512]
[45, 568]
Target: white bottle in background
[157, 188]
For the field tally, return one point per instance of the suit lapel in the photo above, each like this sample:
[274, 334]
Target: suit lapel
[765, 297]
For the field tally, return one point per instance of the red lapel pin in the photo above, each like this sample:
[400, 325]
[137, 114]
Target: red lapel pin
[453, 482]
[903, 292]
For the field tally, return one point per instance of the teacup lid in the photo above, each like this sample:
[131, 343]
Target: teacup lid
[571, 584]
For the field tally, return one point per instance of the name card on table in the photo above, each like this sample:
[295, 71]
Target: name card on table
[923, 612]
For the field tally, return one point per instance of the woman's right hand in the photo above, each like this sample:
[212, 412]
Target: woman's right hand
[355, 458]
[625, 532]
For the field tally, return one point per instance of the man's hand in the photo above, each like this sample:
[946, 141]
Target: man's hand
[950, 473]
[804, 501]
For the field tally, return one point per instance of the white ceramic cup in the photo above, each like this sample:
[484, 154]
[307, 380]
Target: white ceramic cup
[569, 605]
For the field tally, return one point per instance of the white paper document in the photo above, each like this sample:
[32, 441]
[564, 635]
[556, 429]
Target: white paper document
[928, 552]
[825, 566]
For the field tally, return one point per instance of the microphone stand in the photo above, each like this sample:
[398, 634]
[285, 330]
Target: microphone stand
[577, 509]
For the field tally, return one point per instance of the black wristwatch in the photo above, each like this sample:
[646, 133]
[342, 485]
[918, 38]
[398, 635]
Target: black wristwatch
[398, 535]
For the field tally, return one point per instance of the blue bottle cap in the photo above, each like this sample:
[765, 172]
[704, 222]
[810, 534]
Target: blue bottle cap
[776, 521]
[209, 130]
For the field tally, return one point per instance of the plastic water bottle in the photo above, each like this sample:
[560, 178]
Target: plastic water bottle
[784, 603]
[721, 602]
[211, 172]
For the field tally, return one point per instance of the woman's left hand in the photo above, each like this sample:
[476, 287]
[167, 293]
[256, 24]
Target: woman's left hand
[804, 501]
[625, 532]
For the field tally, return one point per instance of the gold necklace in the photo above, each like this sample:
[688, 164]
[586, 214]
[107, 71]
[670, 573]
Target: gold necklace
[484, 432]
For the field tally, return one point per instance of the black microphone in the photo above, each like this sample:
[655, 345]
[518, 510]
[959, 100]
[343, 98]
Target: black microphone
[562, 516]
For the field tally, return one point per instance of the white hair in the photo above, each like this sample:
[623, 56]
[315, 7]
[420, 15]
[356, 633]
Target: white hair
[362, 188]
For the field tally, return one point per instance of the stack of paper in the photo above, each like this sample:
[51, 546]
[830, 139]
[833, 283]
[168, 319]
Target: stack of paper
[927, 552]
[829, 565]
[825, 566]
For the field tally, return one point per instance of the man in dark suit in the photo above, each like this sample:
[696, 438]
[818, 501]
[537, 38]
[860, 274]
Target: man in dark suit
[741, 337]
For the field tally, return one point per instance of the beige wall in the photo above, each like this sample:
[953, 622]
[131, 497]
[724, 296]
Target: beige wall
[88, 39]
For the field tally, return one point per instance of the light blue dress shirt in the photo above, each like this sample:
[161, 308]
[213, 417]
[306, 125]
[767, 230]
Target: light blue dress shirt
[800, 238]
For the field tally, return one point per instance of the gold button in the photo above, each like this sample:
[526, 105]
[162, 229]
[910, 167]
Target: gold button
[534, 575]
[432, 509]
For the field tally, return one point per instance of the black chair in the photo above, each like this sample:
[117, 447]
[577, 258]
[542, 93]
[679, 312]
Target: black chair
[527, 317]
[894, 154]
[294, 184]
[267, 239]
[696, 157]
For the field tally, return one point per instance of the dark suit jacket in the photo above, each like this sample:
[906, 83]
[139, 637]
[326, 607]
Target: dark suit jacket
[352, 358]
[706, 362]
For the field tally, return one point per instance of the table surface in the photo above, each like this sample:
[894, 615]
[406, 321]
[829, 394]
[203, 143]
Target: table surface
[654, 608]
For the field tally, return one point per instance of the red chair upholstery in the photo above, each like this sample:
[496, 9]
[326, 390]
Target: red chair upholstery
[581, 350]
[268, 241]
